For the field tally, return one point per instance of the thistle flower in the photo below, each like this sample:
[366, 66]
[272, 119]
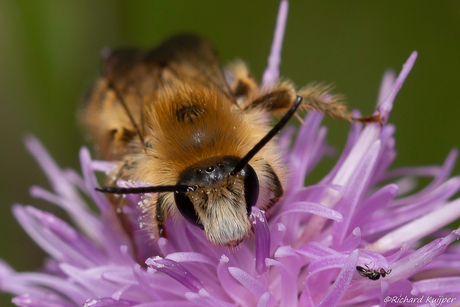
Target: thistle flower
[305, 252]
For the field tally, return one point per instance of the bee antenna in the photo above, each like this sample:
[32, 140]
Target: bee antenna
[270, 135]
[123, 103]
[141, 190]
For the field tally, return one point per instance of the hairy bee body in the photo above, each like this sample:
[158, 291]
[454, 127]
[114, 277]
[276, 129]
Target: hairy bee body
[172, 119]
[186, 120]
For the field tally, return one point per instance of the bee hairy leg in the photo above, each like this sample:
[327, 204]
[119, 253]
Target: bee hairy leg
[244, 85]
[277, 101]
[162, 231]
[275, 187]
[369, 119]
[160, 215]
[316, 97]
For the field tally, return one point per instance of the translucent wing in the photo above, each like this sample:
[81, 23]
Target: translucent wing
[133, 77]
[185, 56]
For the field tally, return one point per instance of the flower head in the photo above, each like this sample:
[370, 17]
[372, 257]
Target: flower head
[352, 239]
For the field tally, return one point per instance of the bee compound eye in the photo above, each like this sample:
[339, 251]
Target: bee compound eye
[251, 187]
[186, 208]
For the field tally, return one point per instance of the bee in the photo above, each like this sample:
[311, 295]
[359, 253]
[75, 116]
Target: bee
[172, 119]
[371, 273]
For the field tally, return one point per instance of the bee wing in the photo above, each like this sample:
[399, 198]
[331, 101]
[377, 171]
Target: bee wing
[135, 75]
[186, 56]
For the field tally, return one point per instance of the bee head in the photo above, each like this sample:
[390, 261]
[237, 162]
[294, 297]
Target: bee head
[219, 200]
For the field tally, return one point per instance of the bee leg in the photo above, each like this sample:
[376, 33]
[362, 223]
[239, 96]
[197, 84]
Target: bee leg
[275, 187]
[161, 215]
[121, 135]
[243, 85]
[123, 141]
[277, 101]
[316, 97]
[162, 231]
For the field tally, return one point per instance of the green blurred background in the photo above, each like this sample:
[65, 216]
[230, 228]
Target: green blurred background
[49, 55]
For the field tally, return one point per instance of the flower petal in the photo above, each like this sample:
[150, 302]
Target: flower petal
[263, 300]
[379, 199]
[387, 104]
[251, 283]
[438, 286]
[27, 300]
[91, 181]
[176, 271]
[51, 169]
[288, 284]
[232, 287]
[409, 264]
[418, 228]
[356, 188]
[106, 302]
[203, 298]
[313, 208]
[388, 79]
[262, 235]
[191, 257]
[340, 285]
[271, 73]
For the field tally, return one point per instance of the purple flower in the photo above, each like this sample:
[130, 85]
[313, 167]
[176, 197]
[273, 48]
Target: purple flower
[305, 252]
